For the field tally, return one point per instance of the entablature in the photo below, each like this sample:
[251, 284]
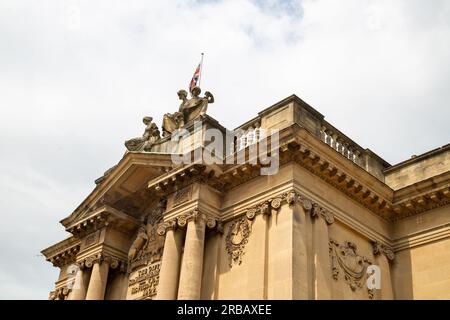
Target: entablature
[102, 217]
[63, 252]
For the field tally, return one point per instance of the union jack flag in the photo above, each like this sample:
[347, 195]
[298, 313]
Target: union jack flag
[196, 77]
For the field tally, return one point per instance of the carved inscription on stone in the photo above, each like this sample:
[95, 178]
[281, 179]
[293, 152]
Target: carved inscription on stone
[143, 282]
[182, 195]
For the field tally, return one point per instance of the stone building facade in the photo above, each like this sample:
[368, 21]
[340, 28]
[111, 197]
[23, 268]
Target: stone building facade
[152, 229]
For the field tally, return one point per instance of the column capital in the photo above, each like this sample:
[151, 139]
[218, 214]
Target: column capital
[114, 262]
[319, 212]
[292, 197]
[379, 248]
[181, 221]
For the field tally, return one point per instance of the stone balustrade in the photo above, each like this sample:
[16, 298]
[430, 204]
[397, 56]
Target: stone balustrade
[342, 144]
[248, 134]
[293, 110]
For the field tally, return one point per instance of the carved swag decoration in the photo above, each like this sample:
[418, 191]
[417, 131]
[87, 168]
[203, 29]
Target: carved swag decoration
[239, 231]
[345, 258]
[148, 245]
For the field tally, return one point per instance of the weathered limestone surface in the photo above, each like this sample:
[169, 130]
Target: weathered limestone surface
[153, 229]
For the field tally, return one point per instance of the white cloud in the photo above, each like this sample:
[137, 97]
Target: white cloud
[75, 86]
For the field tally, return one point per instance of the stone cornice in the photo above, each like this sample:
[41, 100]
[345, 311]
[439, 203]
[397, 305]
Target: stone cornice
[63, 252]
[129, 160]
[300, 146]
[185, 175]
[272, 206]
[421, 237]
[102, 217]
[422, 196]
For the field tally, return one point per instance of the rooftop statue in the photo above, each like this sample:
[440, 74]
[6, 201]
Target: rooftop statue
[173, 121]
[189, 110]
[150, 136]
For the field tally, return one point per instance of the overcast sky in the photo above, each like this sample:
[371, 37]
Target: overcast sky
[76, 78]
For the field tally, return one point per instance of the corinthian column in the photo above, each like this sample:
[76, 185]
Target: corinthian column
[322, 279]
[81, 285]
[99, 277]
[170, 264]
[192, 265]
[382, 257]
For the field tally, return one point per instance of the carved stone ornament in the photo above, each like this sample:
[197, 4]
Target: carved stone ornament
[379, 248]
[319, 212]
[150, 136]
[148, 245]
[236, 239]
[344, 257]
[182, 195]
[189, 110]
[60, 293]
[291, 197]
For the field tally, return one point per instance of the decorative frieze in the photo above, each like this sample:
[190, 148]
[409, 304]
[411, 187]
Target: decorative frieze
[379, 248]
[236, 239]
[344, 257]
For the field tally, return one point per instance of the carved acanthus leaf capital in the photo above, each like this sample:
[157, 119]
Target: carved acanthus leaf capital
[379, 248]
[320, 212]
[182, 220]
[164, 226]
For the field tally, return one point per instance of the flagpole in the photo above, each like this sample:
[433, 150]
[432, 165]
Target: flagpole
[201, 71]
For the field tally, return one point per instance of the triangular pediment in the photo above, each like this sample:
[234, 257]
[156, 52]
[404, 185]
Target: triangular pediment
[124, 186]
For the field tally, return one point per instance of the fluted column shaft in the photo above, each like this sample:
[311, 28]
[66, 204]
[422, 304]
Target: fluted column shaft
[170, 266]
[192, 264]
[98, 281]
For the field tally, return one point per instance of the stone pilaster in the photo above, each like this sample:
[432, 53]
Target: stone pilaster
[322, 274]
[383, 255]
[288, 256]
